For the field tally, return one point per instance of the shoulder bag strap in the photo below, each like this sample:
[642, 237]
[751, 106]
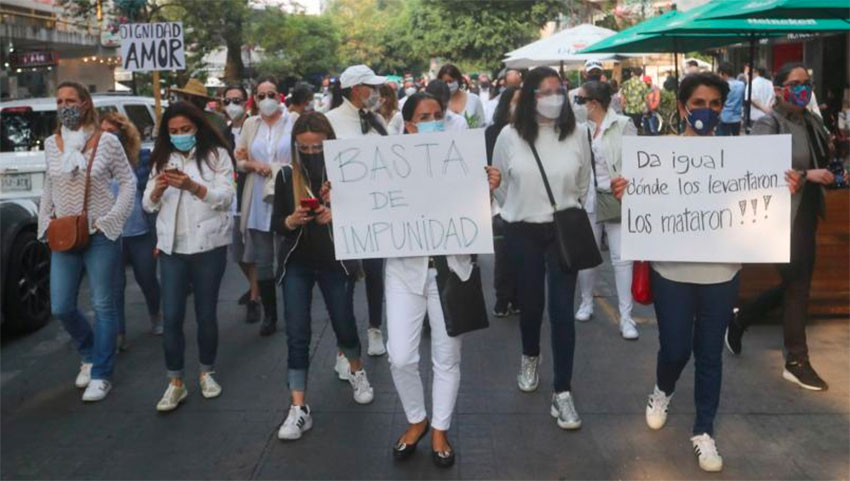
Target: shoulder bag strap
[592, 158]
[545, 179]
[88, 173]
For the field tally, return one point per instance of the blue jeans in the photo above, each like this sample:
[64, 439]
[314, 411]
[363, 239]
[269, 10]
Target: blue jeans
[204, 271]
[66, 271]
[297, 289]
[536, 262]
[138, 251]
[693, 317]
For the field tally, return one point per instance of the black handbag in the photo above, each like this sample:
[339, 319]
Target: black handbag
[463, 303]
[577, 247]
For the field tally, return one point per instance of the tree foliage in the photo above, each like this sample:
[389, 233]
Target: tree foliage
[296, 45]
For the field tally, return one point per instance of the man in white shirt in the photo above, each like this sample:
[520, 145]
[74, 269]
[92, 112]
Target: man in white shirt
[762, 95]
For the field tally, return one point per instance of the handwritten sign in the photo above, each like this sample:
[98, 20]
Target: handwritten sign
[410, 195]
[146, 47]
[707, 199]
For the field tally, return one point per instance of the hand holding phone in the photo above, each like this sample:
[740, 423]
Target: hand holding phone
[310, 203]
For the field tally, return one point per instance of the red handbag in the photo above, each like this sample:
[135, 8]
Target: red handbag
[641, 284]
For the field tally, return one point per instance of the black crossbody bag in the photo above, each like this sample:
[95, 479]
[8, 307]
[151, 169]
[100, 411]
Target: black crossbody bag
[463, 303]
[576, 245]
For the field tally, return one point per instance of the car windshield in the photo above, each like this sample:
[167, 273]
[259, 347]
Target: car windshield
[23, 130]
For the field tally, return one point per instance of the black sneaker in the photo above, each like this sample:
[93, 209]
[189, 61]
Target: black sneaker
[245, 298]
[514, 309]
[802, 373]
[253, 311]
[502, 309]
[734, 333]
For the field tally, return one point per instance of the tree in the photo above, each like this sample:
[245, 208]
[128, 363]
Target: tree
[295, 44]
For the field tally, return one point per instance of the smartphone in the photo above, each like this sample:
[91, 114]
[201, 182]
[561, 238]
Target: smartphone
[311, 203]
[172, 170]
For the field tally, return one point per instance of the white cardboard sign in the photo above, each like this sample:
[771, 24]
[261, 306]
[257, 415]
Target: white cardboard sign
[707, 199]
[146, 47]
[409, 195]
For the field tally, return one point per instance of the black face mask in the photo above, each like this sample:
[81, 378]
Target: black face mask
[314, 164]
[594, 77]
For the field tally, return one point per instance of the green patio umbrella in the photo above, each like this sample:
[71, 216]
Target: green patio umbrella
[834, 9]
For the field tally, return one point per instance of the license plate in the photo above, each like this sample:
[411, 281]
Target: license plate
[16, 182]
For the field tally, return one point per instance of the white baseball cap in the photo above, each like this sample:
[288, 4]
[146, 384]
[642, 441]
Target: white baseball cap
[592, 64]
[360, 74]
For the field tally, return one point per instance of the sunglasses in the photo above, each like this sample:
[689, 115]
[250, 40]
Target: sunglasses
[234, 101]
[270, 95]
[309, 148]
[579, 100]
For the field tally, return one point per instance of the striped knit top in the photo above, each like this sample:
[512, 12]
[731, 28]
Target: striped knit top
[64, 191]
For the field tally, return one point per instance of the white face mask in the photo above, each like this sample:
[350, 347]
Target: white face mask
[453, 86]
[549, 107]
[372, 101]
[580, 112]
[234, 111]
[409, 91]
[269, 106]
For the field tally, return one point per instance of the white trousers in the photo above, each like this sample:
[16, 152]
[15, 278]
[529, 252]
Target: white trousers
[622, 269]
[405, 314]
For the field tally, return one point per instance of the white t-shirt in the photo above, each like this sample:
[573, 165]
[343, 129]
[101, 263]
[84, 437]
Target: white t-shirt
[473, 109]
[762, 93]
[272, 144]
[490, 108]
[455, 122]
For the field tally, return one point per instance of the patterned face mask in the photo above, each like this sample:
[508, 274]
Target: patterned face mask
[70, 116]
[799, 95]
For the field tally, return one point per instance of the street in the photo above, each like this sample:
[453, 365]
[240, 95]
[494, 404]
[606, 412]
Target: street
[766, 427]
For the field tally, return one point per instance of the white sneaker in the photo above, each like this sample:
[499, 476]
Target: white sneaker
[172, 398]
[342, 367]
[97, 390]
[628, 329]
[706, 451]
[84, 376]
[585, 311]
[297, 422]
[564, 411]
[656, 408]
[528, 378]
[209, 388]
[363, 393]
[376, 342]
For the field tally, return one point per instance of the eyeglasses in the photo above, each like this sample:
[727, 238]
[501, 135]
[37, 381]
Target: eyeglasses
[544, 93]
[309, 148]
[265, 95]
[579, 100]
[234, 101]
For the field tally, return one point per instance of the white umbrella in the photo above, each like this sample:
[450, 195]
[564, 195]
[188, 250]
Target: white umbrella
[561, 47]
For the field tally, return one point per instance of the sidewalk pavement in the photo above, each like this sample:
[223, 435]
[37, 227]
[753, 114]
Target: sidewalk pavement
[767, 428]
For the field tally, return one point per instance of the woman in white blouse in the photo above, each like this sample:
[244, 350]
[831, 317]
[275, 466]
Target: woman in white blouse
[411, 290]
[462, 102]
[264, 142]
[543, 119]
[191, 189]
[76, 144]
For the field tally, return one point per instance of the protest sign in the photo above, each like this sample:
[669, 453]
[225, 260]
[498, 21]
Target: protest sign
[409, 195]
[707, 199]
[147, 47]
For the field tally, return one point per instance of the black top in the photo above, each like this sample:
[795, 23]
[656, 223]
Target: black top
[315, 249]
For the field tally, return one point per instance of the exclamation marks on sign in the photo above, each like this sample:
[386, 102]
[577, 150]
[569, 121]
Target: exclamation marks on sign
[754, 203]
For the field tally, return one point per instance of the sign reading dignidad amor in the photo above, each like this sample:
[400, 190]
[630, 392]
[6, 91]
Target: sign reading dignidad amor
[147, 47]
[409, 195]
[707, 199]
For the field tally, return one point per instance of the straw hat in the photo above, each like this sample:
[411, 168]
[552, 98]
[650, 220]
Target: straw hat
[193, 87]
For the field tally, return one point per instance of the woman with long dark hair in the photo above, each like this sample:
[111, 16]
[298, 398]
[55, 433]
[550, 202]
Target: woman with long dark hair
[462, 102]
[76, 147]
[302, 216]
[543, 126]
[191, 189]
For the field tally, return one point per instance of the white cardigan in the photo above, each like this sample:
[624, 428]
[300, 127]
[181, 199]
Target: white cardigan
[211, 218]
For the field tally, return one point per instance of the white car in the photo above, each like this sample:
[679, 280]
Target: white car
[24, 261]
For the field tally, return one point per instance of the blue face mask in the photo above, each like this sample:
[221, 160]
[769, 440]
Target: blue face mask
[184, 142]
[432, 126]
[703, 120]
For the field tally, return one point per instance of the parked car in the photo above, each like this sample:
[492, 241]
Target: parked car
[24, 260]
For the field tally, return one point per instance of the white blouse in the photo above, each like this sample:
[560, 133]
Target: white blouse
[522, 194]
[271, 145]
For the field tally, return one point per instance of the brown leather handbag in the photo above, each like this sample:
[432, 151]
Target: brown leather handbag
[71, 232]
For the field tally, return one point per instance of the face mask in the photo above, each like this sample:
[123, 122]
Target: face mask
[314, 164]
[703, 120]
[549, 107]
[432, 126]
[269, 106]
[453, 86]
[371, 102]
[799, 95]
[580, 112]
[184, 142]
[70, 116]
[409, 91]
[234, 111]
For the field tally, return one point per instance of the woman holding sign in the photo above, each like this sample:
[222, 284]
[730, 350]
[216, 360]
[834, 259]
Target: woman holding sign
[608, 130]
[412, 292]
[693, 301]
[543, 127]
[302, 216]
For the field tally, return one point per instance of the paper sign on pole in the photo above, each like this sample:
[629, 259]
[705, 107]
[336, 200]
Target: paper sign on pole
[707, 199]
[409, 195]
[147, 47]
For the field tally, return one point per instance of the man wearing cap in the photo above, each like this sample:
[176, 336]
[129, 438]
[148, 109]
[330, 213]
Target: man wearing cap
[195, 93]
[592, 71]
[355, 117]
